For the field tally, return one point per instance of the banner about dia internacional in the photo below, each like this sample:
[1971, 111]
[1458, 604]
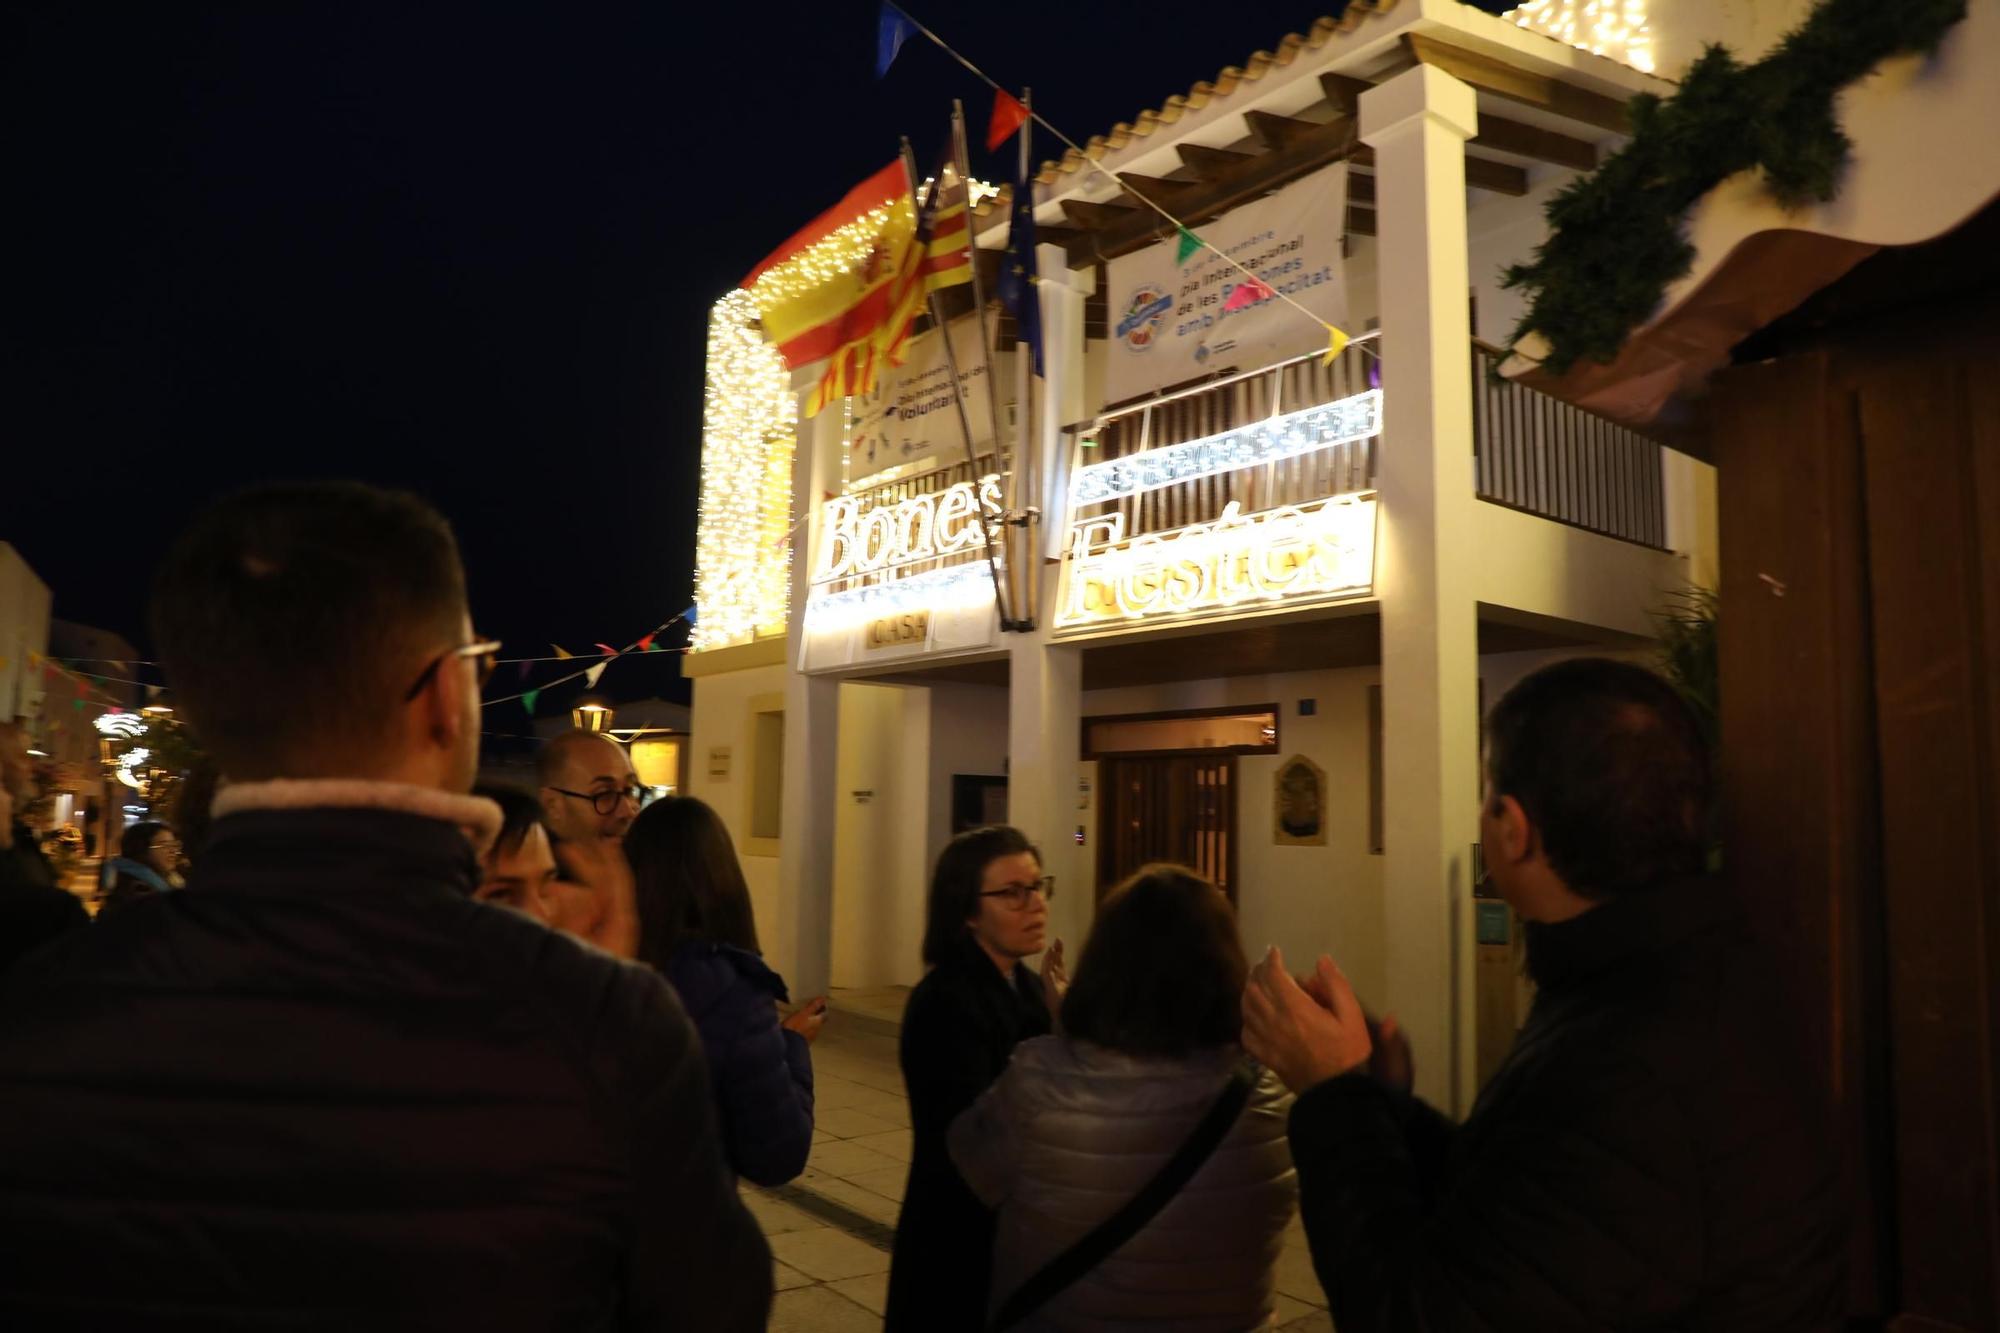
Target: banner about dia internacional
[1167, 320]
[908, 420]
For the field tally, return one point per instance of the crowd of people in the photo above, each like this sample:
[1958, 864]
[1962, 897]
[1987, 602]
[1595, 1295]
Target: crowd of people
[411, 1052]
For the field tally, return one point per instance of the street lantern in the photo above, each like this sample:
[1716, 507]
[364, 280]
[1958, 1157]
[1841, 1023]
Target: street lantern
[591, 714]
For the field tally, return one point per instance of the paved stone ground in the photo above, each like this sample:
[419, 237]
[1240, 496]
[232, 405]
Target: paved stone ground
[831, 1230]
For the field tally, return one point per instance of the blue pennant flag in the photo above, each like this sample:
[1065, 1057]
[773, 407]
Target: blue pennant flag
[896, 28]
[1017, 268]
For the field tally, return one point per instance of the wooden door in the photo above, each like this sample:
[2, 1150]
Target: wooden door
[1860, 684]
[1172, 807]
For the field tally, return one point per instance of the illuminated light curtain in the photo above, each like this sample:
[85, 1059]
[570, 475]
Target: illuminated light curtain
[1616, 29]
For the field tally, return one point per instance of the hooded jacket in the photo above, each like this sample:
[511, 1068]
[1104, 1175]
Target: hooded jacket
[323, 1088]
[1072, 1131]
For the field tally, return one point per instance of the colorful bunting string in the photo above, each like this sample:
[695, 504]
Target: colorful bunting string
[902, 21]
[595, 672]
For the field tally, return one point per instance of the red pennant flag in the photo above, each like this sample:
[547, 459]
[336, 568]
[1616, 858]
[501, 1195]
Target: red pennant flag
[1008, 115]
[646, 644]
[1248, 292]
[609, 651]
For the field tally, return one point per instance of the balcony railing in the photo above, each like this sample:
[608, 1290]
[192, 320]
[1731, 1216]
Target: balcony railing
[1213, 409]
[1541, 455]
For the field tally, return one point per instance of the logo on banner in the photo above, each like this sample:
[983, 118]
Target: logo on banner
[1144, 314]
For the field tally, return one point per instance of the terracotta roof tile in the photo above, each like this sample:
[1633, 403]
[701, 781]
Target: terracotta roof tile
[1205, 91]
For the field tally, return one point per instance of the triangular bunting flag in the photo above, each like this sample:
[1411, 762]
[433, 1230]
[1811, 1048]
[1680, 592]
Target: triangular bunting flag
[595, 674]
[1008, 114]
[688, 615]
[1186, 246]
[1248, 292]
[1336, 343]
[646, 644]
[894, 28]
[562, 654]
[609, 651]
[527, 667]
[528, 700]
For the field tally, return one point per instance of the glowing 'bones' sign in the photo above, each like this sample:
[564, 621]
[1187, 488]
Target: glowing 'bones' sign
[886, 537]
[1321, 548]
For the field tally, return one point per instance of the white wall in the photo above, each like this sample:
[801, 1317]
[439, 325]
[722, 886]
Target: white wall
[968, 735]
[1305, 900]
[881, 797]
[24, 629]
[721, 717]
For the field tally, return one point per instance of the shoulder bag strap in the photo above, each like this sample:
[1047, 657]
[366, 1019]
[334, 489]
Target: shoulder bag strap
[1104, 1239]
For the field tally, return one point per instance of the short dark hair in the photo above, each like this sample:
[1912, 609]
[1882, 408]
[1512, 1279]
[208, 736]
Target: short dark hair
[955, 884]
[290, 618]
[1163, 971]
[1612, 769]
[138, 839]
[519, 812]
[688, 881]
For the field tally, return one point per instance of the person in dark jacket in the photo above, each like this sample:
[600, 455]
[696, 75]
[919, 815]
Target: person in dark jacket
[1652, 1153]
[34, 909]
[697, 928]
[988, 913]
[321, 1087]
[148, 862]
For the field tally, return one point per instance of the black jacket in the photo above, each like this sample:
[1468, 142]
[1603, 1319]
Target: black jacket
[959, 1029]
[762, 1073]
[321, 1088]
[1648, 1156]
[34, 909]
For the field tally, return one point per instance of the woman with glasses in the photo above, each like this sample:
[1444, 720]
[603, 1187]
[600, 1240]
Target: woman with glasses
[697, 929]
[988, 914]
[149, 862]
[1081, 1122]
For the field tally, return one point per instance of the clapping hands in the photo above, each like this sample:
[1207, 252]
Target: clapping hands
[1306, 1034]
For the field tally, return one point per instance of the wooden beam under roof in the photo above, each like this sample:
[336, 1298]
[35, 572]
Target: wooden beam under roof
[1360, 221]
[1495, 132]
[1518, 85]
[1167, 194]
[1097, 217]
[1210, 163]
[1275, 131]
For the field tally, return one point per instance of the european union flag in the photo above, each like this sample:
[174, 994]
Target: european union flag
[1017, 268]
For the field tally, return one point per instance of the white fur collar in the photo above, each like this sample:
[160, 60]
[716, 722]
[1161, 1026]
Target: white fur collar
[475, 816]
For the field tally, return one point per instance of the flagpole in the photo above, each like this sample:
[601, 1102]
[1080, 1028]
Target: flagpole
[958, 398]
[1024, 397]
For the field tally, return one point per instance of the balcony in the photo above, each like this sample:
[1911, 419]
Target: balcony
[1543, 456]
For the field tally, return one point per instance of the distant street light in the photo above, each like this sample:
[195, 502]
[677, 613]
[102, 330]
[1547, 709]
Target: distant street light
[591, 714]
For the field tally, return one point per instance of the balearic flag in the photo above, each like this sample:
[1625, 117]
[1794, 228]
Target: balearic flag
[941, 256]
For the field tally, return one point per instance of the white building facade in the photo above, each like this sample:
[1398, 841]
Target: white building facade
[1271, 592]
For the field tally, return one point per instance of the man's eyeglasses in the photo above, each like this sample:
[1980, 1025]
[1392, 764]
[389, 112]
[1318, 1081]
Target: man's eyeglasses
[1016, 895]
[606, 802]
[486, 650]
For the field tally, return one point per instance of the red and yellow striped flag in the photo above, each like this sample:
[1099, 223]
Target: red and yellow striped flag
[848, 286]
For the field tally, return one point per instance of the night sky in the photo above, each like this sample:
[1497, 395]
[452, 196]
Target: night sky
[467, 250]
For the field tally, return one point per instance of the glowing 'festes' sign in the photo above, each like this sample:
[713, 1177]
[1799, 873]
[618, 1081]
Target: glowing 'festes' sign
[1303, 432]
[1323, 548]
[121, 724]
[887, 537]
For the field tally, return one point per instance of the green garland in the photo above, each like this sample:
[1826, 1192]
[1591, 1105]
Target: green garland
[1615, 237]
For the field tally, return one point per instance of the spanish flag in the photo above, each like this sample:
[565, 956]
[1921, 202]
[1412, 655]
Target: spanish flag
[847, 287]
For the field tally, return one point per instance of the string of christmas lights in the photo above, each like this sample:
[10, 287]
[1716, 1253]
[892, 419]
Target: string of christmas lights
[1616, 29]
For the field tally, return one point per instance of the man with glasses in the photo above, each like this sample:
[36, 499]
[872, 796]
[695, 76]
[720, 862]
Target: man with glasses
[589, 790]
[322, 1087]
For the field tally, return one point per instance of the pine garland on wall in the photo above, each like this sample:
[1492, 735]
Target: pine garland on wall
[1615, 239]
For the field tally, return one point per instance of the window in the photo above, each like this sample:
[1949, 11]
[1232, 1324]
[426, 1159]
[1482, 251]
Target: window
[767, 774]
[1252, 730]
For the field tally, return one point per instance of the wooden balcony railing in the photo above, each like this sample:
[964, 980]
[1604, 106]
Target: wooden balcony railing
[1214, 409]
[1541, 455]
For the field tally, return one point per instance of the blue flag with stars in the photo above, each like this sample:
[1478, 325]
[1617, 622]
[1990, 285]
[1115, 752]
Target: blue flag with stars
[1017, 269]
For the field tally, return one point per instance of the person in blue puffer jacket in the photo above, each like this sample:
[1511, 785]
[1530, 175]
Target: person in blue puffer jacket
[696, 928]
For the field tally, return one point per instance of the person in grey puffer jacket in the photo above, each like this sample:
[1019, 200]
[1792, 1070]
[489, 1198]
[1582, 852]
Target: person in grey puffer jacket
[697, 929]
[1082, 1120]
